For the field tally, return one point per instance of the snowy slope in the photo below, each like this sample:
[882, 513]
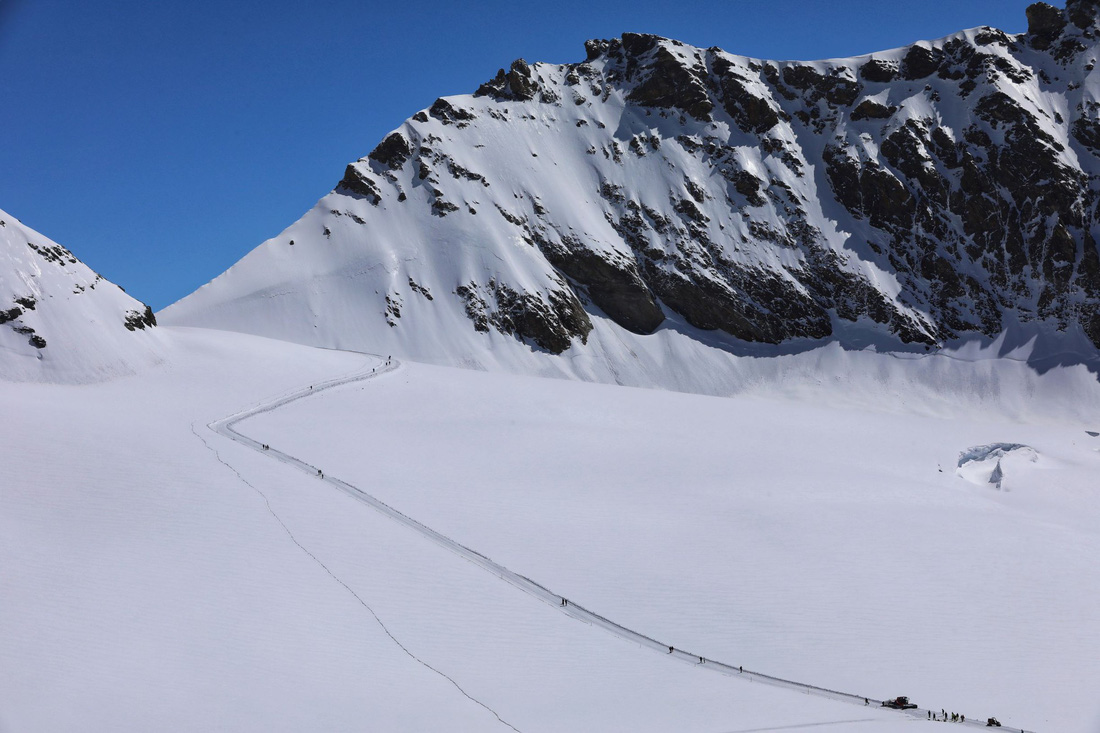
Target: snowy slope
[658, 200]
[802, 529]
[61, 322]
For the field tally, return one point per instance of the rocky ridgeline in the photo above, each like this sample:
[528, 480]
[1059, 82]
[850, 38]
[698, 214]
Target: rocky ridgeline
[939, 190]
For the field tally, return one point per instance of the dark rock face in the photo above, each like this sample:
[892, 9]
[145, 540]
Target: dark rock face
[668, 83]
[921, 62]
[449, 114]
[615, 286]
[516, 83]
[871, 110]
[139, 321]
[879, 71]
[550, 324]
[1083, 13]
[392, 152]
[1045, 24]
[360, 184]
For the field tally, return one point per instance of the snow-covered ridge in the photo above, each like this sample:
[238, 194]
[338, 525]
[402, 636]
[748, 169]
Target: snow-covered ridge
[659, 206]
[59, 320]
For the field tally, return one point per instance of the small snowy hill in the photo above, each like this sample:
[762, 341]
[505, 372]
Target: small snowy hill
[60, 321]
[636, 216]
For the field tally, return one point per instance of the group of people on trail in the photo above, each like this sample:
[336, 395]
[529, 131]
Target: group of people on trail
[266, 446]
[944, 717]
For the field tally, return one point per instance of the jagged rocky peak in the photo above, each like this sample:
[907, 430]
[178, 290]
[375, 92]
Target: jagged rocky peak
[922, 194]
[59, 320]
[1062, 30]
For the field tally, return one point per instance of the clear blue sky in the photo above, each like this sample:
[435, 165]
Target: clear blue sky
[162, 140]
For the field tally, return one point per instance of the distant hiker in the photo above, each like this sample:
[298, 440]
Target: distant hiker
[962, 718]
[564, 602]
[740, 669]
[671, 650]
[702, 661]
[866, 701]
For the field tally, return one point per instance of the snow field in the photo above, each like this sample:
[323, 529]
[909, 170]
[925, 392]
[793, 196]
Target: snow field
[810, 541]
[145, 585]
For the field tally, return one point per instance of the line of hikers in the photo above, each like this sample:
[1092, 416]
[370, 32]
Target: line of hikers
[944, 717]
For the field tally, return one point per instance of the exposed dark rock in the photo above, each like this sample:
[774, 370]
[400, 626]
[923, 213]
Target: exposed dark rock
[879, 71]
[1083, 13]
[10, 315]
[359, 184]
[140, 320]
[612, 283]
[448, 114]
[992, 36]
[749, 186]
[516, 83]
[520, 82]
[392, 152]
[921, 62]
[1045, 24]
[868, 191]
[668, 83]
[835, 88]
[869, 109]
[638, 44]
[56, 254]
[441, 207]
[1086, 128]
[550, 323]
[751, 112]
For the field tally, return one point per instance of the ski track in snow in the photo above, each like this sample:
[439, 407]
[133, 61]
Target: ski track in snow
[347, 587]
[225, 427]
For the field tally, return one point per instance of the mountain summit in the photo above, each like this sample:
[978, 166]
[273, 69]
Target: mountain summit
[660, 199]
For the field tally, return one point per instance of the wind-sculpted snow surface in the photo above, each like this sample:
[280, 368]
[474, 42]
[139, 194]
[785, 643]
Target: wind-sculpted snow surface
[61, 322]
[659, 198]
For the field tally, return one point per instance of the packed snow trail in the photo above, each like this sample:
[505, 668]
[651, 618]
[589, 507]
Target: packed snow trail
[348, 588]
[225, 427]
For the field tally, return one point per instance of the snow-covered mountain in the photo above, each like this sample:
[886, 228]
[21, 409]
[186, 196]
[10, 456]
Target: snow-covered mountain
[59, 320]
[658, 204]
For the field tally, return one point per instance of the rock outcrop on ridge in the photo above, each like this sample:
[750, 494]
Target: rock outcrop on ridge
[916, 196]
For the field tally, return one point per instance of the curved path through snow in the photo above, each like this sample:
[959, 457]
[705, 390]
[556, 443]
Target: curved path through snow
[226, 427]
